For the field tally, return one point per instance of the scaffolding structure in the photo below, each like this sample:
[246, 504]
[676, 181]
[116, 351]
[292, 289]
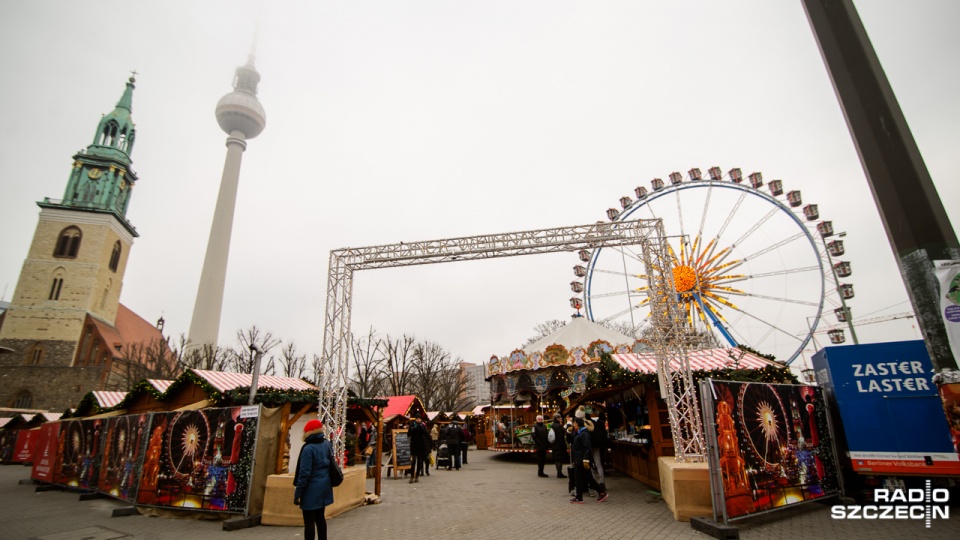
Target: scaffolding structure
[672, 337]
[647, 233]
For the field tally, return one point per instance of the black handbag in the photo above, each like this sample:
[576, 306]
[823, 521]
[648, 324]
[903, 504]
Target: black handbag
[336, 475]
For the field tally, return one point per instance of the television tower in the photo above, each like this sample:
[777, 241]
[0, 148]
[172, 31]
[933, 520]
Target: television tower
[241, 116]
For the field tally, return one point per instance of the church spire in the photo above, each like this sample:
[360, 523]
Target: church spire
[102, 179]
[116, 131]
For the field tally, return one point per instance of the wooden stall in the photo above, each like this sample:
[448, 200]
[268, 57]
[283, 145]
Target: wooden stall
[638, 421]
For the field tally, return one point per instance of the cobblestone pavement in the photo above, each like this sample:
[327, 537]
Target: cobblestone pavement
[495, 496]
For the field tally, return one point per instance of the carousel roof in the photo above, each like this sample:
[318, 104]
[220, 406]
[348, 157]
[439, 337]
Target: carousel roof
[708, 359]
[579, 332]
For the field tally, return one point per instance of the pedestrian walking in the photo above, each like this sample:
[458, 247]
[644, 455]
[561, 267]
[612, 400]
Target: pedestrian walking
[418, 449]
[559, 444]
[435, 436]
[598, 443]
[453, 437]
[465, 444]
[313, 491]
[541, 444]
[581, 455]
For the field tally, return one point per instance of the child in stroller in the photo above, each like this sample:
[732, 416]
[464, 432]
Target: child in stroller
[443, 456]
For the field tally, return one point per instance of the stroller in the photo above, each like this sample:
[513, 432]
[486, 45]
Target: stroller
[443, 456]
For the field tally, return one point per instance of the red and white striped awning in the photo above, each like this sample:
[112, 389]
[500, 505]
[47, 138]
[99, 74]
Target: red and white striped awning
[106, 399]
[706, 360]
[224, 381]
[160, 384]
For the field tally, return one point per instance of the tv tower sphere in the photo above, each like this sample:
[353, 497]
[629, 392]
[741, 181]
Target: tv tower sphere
[239, 110]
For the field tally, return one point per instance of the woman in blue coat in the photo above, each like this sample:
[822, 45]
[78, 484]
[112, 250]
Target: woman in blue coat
[313, 491]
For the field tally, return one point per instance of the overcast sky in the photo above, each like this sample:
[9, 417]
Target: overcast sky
[400, 121]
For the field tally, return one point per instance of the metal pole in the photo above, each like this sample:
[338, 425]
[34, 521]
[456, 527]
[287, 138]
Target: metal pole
[913, 215]
[257, 355]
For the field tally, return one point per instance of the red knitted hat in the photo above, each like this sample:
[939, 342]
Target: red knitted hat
[312, 428]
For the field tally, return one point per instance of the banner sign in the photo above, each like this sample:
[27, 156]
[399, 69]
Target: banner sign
[890, 409]
[26, 445]
[948, 274]
[769, 446]
[45, 458]
[123, 451]
[79, 454]
[199, 459]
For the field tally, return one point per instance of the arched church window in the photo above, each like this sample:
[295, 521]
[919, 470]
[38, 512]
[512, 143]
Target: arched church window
[24, 400]
[55, 288]
[115, 256]
[68, 245]
[35, 356]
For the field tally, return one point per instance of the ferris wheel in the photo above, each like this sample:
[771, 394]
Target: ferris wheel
[752, 265]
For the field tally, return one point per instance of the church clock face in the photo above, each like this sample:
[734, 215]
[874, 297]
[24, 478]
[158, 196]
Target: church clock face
[95, 173]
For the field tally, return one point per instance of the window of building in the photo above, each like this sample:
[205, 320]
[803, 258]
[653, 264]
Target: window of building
[55, 288]
[68, 245]
[115, 257]
[92, 353]
[24, 400]
[35, 356]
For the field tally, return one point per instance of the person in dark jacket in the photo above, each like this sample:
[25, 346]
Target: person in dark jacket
[418, 449]
[599, 441]
[454, 437]
[559, 445]
[427, 447]
[541, 444]
[581, 455]
[313, 491]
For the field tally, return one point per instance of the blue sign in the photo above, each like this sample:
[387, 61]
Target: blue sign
[890, 409]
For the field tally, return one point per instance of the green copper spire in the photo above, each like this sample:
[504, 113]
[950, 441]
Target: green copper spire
[102, 179]
[116, 132]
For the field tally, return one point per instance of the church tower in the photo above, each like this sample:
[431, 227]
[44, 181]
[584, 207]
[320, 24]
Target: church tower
[67, 298]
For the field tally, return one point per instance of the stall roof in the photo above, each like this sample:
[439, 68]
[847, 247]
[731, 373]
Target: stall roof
[708, 359]
[160, 384]
[224, 381]
[398, 405]
[106, 399]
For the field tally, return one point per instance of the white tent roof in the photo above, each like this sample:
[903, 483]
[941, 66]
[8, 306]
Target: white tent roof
[579, 332]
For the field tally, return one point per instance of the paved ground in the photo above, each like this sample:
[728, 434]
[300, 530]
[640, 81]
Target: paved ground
[494, 497]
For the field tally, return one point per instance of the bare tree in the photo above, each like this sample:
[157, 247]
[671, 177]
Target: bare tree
[208, 357]
[452, 388]
[543, 330]
[430, 363]
[368, 377]
[240, 360]
[292, 362]
[139, 361]
[316, 368]
[397, 360]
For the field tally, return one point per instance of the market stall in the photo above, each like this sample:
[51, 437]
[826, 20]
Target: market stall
[625, 387]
